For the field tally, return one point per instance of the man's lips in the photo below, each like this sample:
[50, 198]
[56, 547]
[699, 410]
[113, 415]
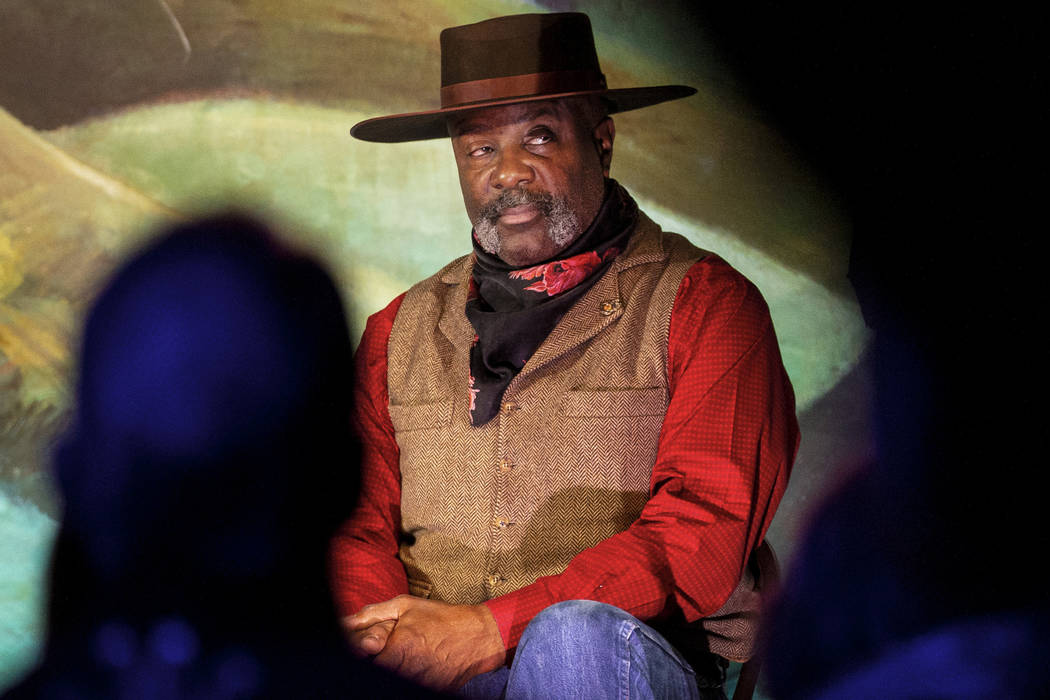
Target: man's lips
[521, 214]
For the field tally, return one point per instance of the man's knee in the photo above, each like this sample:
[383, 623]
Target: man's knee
[582, 644]
[575, 622]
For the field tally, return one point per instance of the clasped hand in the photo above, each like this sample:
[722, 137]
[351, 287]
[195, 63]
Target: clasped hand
[435, 644]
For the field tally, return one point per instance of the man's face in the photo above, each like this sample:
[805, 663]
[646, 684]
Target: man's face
[533, 176]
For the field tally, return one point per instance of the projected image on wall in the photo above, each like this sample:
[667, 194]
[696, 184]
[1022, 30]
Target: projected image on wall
[117, 117]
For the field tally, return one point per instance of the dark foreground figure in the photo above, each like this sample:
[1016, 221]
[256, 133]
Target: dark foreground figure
[918, 577]
[921, 576]
[207, 467]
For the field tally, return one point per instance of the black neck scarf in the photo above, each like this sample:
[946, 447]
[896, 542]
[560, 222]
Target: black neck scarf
[513, 309]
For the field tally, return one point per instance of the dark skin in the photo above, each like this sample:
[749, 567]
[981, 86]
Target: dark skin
[435, 644]
[542, 146]
[559, 147]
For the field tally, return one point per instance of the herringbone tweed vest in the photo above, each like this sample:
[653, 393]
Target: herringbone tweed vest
[566, 462]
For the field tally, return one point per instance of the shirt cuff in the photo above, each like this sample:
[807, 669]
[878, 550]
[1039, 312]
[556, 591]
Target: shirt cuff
[514, 611]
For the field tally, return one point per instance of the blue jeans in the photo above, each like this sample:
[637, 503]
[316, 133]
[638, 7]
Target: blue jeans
[584, 649]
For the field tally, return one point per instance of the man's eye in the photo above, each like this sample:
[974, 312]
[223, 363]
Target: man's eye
[539, 138]
[480, 151]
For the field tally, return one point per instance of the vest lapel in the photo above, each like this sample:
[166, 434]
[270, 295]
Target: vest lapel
[453, 322]
[603, 303]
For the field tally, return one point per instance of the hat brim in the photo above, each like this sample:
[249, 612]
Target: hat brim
[432, 124]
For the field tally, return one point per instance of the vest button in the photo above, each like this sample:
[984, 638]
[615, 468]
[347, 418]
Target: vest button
[510, 406]
[505, 465]
[501, 523]
[494, 580]
[610, 306]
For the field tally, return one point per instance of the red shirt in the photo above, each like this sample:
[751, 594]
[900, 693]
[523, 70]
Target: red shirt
[726, 448]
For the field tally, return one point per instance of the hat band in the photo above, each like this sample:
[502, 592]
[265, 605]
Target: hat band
[529, 85]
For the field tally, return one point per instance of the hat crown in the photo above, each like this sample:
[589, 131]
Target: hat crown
[518, 45]
[509, 60]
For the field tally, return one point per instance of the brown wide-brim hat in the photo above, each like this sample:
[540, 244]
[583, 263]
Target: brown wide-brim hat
[506, 60]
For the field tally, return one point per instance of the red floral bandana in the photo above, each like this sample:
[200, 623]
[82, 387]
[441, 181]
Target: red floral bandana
[513, 310]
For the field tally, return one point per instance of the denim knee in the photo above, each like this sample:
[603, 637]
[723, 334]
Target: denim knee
[586, 649]
[574, 622]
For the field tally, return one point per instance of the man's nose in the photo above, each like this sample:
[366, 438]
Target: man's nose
[511, 170]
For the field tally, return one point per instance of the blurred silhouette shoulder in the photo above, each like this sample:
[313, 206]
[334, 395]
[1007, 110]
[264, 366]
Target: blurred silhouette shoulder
[208, 465]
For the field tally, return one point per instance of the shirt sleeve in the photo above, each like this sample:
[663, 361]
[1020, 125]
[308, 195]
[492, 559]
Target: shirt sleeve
[726, 447]
[364, 552]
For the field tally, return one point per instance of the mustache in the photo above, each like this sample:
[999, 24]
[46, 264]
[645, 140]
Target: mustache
[516, 198]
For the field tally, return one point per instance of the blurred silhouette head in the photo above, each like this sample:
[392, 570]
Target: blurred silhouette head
[210, 451]
[209, 464]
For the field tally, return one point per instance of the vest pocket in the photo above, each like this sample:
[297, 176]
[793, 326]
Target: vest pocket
[420, 416]
[614, 402]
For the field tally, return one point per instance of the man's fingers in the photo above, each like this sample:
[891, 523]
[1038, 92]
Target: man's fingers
[420, 668]
[370, 640]
[391, 658]
[371, 614]
[373, 638]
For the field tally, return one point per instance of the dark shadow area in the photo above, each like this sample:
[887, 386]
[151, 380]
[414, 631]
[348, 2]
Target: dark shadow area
[915, 577]
[837, 438]
[207, 466]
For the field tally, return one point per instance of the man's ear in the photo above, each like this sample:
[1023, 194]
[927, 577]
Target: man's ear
[604, 134]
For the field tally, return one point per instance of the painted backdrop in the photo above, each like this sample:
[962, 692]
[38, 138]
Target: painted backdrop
[118, 116]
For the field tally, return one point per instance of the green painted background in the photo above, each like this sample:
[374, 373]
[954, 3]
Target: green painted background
[119, 116]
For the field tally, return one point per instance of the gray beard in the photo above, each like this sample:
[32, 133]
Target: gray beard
[563, 226]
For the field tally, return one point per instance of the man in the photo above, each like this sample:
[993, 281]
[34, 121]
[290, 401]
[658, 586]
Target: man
[585, 409]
